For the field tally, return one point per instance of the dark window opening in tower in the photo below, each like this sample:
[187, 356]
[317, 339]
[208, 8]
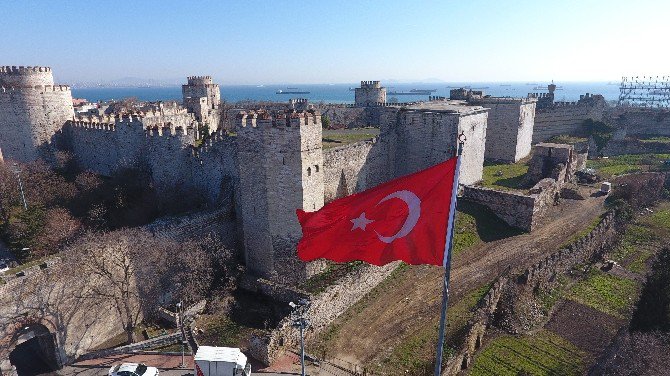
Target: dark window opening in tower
[316, 166]
[309, 171]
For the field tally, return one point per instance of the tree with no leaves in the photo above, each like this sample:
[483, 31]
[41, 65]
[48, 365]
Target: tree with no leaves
[125, 267]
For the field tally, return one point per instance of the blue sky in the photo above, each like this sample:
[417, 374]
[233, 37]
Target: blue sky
[251, 42]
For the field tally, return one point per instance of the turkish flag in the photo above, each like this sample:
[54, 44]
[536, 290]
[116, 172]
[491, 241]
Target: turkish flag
[404, 219]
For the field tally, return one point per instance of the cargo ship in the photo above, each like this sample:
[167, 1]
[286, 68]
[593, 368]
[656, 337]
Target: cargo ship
[413, 92]
[291, 91]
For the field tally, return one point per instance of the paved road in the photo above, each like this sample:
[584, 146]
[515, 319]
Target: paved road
[169, 365]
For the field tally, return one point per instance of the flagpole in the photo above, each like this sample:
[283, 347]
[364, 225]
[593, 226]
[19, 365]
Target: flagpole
[448, 247]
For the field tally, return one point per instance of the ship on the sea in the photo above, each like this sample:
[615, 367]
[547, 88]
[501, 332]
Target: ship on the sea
[291, 90]
[414, 92]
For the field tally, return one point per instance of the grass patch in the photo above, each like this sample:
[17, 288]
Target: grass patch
[221, 331]
[665, 140]
[339, 137]
[660, 219]
[504, 176]
[415, 355]
[624, 164]
[333, 272]
[606, 293]
[567, 139]
[476, 224]
[543, 353]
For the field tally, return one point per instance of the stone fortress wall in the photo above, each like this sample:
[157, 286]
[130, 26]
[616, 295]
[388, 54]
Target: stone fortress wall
[32, 110]
[561, 118]
[202, 98]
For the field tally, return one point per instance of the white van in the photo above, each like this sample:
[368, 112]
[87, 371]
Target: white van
[221, 361]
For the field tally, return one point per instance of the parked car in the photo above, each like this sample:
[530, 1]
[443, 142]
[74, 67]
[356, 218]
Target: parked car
[133, 369]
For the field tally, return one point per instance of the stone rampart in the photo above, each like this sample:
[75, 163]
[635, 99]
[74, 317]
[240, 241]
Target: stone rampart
[509, 128]
[567, 118]
[516, 209]
[636, 121]
[324, 309]
[634, 146]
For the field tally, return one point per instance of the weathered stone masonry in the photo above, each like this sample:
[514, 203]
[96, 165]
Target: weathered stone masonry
[32, 110]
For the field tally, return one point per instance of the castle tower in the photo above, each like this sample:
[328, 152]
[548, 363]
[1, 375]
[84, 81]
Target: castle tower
[280, 170]
[371, 93]
[202, 98]
[32, 110]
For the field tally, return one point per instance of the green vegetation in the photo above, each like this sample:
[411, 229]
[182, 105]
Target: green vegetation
[600, 132]
[606, 293]
[542, 353]
[220, 330]
[567, 139]
[333, 272]
[504, 176]
[624, 164]
[587, 230]
[476, 224]
[415, 355]
[665, 140]
[340, 137]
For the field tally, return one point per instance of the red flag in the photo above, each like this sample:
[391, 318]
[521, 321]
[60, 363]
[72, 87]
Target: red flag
[403, 219]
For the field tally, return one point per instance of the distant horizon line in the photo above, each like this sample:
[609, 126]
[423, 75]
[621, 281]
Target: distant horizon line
[529, 82]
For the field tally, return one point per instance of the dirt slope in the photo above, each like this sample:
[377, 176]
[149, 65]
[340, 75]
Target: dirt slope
[412, 301]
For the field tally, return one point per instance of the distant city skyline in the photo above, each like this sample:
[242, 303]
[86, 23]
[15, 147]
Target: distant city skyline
[258, 42]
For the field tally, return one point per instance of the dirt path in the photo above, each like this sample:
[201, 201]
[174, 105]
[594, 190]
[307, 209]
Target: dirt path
[412, 302]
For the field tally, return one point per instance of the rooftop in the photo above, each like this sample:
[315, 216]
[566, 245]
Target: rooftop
[447, 106]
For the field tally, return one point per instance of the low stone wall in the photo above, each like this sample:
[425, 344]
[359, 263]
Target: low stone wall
[634, 146]
[518, 210]
[324, 309]
[587, 248]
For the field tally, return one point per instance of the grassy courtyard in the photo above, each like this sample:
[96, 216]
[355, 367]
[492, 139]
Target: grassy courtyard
[340, 137]
[503, 176]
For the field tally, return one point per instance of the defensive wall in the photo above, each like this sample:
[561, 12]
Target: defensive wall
[32, 110]
[639, 121]
[561, 118]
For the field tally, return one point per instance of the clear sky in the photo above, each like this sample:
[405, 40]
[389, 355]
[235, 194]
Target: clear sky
[252, 42]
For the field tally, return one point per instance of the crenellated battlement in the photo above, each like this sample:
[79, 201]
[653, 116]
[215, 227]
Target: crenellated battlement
[199, 80]
[81, 124]
[45, 88]
[371, 84]
[289, 119]
[169, 130]
[23, 69]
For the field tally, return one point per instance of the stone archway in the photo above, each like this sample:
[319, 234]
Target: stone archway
[33, 351]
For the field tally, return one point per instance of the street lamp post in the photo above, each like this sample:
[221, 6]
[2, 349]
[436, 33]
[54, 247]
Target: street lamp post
[17, 171]
[302, 323]
[180, 314]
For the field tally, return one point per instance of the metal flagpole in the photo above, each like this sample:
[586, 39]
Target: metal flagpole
[448, 246]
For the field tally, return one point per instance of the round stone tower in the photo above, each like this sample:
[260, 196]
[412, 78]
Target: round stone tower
[371, 93]
[32, 110]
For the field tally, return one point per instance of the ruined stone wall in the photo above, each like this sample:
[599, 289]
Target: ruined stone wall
[325, 308]
[509, 128]
[345, 116]
[281, 169]
[426, 138]
[567, 118]
[32, 110]
[635, 121]
[516, 209]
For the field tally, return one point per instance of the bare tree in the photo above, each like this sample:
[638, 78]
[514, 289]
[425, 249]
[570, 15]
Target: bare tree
[125, 267]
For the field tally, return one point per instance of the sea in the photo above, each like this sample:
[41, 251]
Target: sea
[343, 93]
